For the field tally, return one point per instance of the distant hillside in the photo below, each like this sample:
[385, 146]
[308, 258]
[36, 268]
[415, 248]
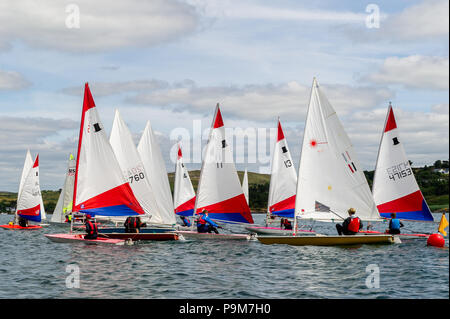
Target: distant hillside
[433, 183]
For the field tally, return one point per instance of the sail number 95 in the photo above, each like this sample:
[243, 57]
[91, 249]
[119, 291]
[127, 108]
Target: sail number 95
[246, 308]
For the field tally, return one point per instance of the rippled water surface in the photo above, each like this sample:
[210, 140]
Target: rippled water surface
[33, 267]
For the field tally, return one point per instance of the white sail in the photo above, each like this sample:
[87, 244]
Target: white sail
[395, 189]
[219, 190]
[27, 165]
[29, 201]
[155, 167]
[330, 178]
[283, 179]
[64, 204]
[245, 185]
[133, 169]
[183, 195]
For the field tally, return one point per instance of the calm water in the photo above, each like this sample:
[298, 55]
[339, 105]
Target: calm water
[33, 267]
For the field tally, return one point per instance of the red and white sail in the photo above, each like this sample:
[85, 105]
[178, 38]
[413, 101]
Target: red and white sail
[133, 169]
[395, 188]
[219, 190]
[30, 199]
[283, 179]
[155, 167]
[184, 195]
[330, 179]
[100, 187]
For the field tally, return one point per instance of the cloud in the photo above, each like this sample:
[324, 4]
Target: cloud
[103, 24]
[10, 80]
[414, 72]
[425, 20]
[249, 10]
[110, 88]
[260, 102]
[40, 135]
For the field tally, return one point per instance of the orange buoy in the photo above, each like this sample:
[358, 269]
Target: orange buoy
[436, 240]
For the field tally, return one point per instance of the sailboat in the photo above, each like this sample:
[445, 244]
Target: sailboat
[64, 204]
[184, 195]
[154, 165]
[282, 189]
[29, 197]
[395, 189]
[100, 189]
[219, 189]
[330, 178]
[133, 169]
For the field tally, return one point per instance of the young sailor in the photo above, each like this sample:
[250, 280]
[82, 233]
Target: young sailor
[185, 221]
[286, 224]
[351, 224]
[205, 224]
[394, 225]
[91, 228]
[23, 222]
[133, 224]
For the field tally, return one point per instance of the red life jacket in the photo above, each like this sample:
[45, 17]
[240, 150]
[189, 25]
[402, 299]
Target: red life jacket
[201, 221]
[132, 222]
[91, 228]
[353, 226]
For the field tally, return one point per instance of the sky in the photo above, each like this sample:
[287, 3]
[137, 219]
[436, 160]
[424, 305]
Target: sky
[170, 61]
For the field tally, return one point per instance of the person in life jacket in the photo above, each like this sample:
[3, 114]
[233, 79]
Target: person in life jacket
[68, 218]
[133, 224]
[91, 228]
[351, 224]
[394, 225]
[186, 221]
[205, 224]
[23, 222]
[286, 224]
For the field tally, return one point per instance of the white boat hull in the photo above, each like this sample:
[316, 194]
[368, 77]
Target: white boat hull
[213, 236]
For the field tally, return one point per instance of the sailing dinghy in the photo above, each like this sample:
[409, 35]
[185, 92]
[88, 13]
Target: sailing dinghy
[219, 189]
[184, 194]
[64, 205]
[151, 156]
[330, 178]
[29, 197]
[282, 189]
[395, 189]
[100, 189]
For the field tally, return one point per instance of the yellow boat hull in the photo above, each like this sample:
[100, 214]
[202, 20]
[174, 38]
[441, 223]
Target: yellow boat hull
[322, 240]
